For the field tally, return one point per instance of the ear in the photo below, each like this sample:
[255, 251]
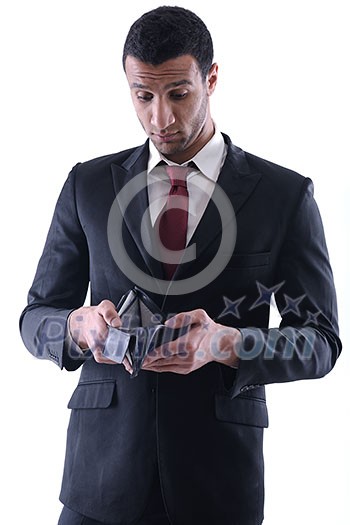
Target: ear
[212, 79]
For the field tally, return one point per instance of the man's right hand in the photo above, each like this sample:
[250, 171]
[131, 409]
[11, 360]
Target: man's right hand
[88, 327]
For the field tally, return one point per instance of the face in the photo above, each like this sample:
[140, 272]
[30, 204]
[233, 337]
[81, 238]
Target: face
[172, 103]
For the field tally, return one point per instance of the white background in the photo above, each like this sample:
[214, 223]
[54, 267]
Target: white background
[283, 95]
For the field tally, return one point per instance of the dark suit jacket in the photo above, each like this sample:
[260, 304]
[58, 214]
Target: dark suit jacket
[204, 430]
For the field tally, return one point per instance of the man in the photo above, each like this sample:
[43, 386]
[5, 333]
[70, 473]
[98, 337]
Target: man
[180, 443]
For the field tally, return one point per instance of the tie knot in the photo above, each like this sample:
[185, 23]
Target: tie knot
[177, 175]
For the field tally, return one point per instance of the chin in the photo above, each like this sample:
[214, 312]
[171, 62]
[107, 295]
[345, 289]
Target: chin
[169, 148]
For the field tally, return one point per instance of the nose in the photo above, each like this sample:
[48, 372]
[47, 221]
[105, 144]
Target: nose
[162, 115]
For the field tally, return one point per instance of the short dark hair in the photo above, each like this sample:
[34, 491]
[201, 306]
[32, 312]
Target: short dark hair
[169, 32]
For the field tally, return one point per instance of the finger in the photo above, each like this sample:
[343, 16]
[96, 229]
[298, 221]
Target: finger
[179, 320]
[175, 368]
[187, 318]
[96, 336]
[183, 345]
[182, 363]
[109, 313]
[100, 358]
[176, 350]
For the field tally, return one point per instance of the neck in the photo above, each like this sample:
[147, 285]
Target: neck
[204, 136]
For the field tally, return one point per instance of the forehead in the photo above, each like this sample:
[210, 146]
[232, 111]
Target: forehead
[182, 70]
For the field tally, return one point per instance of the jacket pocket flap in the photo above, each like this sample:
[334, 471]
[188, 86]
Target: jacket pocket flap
[241, 410]
[93, 395]
[249, 260]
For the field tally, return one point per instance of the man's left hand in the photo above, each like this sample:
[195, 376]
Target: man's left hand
[204, 341]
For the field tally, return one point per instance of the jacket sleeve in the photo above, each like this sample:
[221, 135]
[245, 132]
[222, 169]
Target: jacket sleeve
[60, 285]
[306, 345]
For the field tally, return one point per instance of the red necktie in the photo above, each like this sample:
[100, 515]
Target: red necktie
[174, 218]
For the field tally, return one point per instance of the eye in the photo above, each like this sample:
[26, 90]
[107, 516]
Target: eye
[144, 97]
[179, 95]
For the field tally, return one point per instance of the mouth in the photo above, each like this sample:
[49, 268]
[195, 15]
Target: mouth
[168, 137]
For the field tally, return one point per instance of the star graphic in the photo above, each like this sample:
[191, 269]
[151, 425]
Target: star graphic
[231, 307]
[312, 317]
[265, 294]
[292, 305]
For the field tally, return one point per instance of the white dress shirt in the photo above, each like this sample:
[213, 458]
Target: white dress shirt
[200, 181]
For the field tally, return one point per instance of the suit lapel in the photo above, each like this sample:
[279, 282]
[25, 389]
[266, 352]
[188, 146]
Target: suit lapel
[237, 181]
[130, 184]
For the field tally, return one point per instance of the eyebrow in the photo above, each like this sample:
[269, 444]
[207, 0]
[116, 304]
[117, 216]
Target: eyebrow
[137, 85]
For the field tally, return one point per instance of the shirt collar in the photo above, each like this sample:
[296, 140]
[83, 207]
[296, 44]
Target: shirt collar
[208, 160]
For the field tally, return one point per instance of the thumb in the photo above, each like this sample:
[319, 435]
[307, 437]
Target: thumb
[109, 313]
[115, 322]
